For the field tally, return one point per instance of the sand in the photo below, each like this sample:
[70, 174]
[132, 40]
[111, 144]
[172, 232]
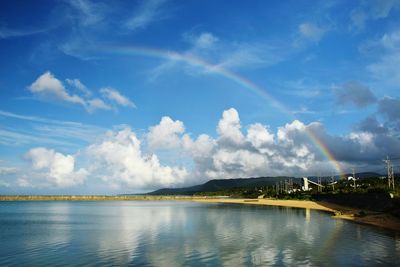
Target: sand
[381, 220]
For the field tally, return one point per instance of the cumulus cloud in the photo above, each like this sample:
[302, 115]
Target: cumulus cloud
[49, 88]
[259, 136]
[292, 150]
[229, 127]
[123, 161]
[311, 31]
[165, 135]
[354, 93]
[46, 85]
[200, 148]
[54, 168]
[119, 161]
[116, 97]
[372, 125]
[383, 138]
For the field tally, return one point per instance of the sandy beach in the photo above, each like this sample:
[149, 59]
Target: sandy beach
[381, 220]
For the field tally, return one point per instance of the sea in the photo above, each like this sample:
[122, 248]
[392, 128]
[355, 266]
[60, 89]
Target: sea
[179, 233]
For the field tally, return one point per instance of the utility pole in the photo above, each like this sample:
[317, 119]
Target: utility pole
[392, 178]
[319, 182]
[390, 172]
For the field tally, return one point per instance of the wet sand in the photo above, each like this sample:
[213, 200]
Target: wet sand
[382, 220]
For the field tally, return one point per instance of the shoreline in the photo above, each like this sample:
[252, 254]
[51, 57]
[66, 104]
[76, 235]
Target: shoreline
[378, 219]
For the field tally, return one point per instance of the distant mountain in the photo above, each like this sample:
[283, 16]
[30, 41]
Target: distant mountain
[222, 184]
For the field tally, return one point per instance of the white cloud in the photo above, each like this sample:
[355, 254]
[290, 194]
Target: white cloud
[200, 148]
[55, 168]
[229, 127]
[11, 137]
[371, 10]
[311, 31]
[115, 96]
[50, 88]
[233, 154]
[238, 163]
[119, 161]
[7, 170]
[165, 135]
[387, 56]
[79, 85]
[391, 40]
[358, 18]
[203, 40]
[46, 85]
[260, 137]
[97, 103]
[386, 69]
[7, 33]
[148, 12]
[43, 131]
[221, 55]
[246, 55]
[365, 139]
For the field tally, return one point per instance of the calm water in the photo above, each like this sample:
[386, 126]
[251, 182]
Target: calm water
[185, 233]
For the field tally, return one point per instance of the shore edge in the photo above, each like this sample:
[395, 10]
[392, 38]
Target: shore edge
[379, 219]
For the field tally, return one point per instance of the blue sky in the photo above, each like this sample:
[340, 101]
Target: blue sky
[128, 96]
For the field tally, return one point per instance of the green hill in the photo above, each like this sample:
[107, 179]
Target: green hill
[222, 184]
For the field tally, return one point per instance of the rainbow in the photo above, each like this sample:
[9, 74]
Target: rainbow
[234, 77]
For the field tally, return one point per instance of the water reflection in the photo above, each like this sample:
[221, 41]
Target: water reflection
[185, 233]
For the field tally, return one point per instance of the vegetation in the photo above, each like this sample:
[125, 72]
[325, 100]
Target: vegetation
[368, 193]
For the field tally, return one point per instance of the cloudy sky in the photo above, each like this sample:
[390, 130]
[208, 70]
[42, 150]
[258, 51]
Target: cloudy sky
[128, 96]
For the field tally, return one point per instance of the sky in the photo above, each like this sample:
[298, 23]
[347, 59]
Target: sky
[101, 97]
